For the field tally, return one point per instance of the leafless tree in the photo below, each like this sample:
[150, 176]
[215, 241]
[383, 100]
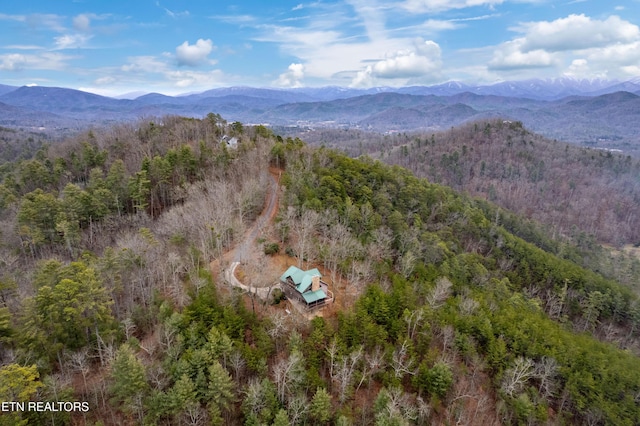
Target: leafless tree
[373, 363]
[332, 351]
[80, 362]
[279, 328]
[304, 228]
[360, 274]
[402, 361]
[288, 374]
[297, 408]
[468, 306]
[129, 327]
[546, 372]
[516, 376]
[237, 363]
[440, 293]
[413, 319]
[343, 372]
[195, 415]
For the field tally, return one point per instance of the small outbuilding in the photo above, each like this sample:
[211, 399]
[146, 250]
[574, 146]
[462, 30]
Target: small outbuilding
[232, 142]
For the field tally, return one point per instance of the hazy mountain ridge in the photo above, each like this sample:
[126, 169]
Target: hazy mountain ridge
[578, 111]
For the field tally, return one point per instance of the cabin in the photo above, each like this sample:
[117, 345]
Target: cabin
[306, 287]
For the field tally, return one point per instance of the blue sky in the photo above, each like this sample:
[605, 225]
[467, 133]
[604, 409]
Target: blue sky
[174, 46]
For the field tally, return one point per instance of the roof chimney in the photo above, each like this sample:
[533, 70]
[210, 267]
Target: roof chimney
[315, 283]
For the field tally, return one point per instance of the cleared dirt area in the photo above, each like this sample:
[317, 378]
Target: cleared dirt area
[252, 269]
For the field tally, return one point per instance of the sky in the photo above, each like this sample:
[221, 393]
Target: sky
[178, 46]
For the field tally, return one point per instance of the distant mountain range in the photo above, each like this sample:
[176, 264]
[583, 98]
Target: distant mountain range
[579, 111]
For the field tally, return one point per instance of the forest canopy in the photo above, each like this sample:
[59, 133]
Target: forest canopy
[451, 309]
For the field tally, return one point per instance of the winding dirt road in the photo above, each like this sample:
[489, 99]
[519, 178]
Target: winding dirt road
[243, 251]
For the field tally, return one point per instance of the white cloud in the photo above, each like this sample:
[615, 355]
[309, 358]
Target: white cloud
[298, 38]
[71, 41]
[44, 61]
[13, 62]
[82, 22]
[372, 18]
[24, 47]
[580, 68]
[46, 21]
[511, 56]
[292, 77]
[172, 13]
[434, 25]
[577, 32]
[423, 6]
[632, 70]
[422, 62]
[616, 54]
[144, 64]
[17, 18]
[576, 45]
[194, 54]
[615, 61]
[103, 81]
[235, 19]
[326, 52]
[183, 79]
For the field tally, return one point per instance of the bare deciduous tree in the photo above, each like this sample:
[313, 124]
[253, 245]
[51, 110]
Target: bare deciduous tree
[288, 373]
[440, 293]
[304, 228]
[343, 372]
[516, 376]
[402, 361]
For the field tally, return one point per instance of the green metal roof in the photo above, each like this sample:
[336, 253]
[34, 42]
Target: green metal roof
[302, 279]
[314, 296]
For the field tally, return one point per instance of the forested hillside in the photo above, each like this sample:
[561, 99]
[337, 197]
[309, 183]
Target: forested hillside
[549, 181]
[443, 315]
[19, 144]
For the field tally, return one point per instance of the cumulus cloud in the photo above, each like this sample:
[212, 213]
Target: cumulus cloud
[584, 46]
[422, 62]
[577, 32]
[625, 57]
[194, 54]
[292, 77]
[512, 56]
[616, 54]
[580, 68]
